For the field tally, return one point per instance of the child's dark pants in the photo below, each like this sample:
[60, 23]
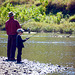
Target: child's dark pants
[19, 54]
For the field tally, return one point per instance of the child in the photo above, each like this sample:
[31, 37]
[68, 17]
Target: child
[19, 44]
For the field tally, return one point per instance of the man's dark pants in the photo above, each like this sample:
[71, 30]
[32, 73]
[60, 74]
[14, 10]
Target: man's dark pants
[11, 47]
[19, 54]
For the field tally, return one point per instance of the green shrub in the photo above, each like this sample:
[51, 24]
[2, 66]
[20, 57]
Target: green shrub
[45, 27]
[69, 28]
[72, 18]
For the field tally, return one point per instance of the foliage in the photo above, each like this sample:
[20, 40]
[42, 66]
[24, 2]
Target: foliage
[25, 14]
[45, 27]
[72, 18]
[36, 19]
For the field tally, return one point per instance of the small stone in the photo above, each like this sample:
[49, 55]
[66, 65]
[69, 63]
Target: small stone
[39, 71]
[24, 72]
[65, 68]
[14, 70]
[6, 72]
[59, 66]
[30, 70]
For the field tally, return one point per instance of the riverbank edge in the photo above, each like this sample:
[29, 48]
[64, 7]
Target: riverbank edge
[52, 34]
[28, 67]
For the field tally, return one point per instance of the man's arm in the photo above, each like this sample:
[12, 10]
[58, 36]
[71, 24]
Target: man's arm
[18, 25]
[6, 26]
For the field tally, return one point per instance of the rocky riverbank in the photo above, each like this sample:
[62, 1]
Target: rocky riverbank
[27, 68]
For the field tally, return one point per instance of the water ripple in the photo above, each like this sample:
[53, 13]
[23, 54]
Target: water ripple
[55, 42]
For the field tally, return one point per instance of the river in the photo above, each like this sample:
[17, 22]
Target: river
[46, 48]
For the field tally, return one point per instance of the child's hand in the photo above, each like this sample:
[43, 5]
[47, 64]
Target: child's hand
[27, 38]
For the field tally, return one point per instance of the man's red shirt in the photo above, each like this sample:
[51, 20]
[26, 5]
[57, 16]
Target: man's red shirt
[12, 26]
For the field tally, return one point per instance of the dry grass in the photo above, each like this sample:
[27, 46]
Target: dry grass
[66, 6]
[15, 2]
[71, 5]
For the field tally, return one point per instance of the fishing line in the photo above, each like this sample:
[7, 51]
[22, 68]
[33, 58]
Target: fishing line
[32, 35]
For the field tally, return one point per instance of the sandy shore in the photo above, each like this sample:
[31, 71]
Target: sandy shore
[27, 68]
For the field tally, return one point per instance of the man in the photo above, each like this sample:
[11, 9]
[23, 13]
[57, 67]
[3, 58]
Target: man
[11, 28]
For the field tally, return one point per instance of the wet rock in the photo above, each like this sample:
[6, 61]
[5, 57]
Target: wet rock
[59, 66]
[65, 68]
[6, 72]
[15, 70]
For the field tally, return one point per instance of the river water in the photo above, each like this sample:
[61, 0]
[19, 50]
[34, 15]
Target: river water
[46, 48]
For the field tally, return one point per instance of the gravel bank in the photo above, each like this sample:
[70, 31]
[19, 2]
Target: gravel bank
[27, 68]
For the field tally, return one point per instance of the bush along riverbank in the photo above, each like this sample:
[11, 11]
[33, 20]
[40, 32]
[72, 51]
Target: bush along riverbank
[67, 28]
[28, 68]
[41, 15]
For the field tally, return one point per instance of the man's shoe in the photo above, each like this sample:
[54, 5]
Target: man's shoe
[12, 59]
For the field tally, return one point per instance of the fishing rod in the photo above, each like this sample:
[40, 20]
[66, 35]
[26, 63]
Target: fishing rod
[32, 36]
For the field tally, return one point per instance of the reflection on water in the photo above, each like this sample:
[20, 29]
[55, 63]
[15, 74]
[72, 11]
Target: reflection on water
[46, 49]
[3, 40]
[56, 42]
[71, 43]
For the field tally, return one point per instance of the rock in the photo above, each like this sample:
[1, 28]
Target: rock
[65, 68]
[59, 66]
[6, 72]
[15, 70]
[28, 68]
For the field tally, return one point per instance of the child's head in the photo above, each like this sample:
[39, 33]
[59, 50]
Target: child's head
[20, 31]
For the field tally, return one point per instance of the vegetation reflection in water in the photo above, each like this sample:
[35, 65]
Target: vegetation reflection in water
[53, 50]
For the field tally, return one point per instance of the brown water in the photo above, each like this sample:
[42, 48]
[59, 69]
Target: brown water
[46, 48]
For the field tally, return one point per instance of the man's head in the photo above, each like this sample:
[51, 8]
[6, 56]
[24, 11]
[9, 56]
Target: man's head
[10, 14]
[20, 31]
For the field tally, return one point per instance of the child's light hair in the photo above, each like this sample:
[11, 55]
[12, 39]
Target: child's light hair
[20, 30]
